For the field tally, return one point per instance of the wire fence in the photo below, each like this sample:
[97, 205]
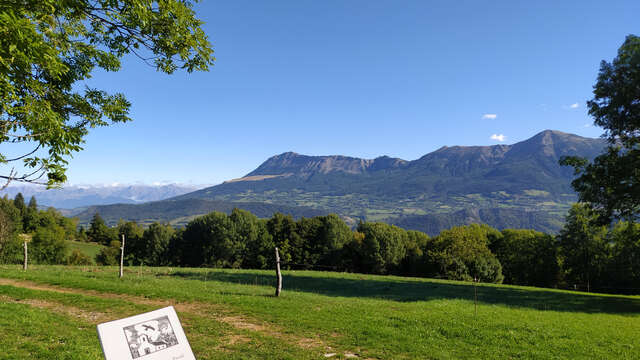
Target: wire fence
[589, 288]
[310, 266]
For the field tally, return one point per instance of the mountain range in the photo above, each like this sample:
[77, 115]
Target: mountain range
[518, 185]
[78, 196]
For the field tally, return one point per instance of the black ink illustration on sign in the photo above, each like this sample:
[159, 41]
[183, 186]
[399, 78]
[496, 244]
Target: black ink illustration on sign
[150, 336]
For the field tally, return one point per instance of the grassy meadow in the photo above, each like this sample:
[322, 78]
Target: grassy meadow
[88, 248]
[51, 311]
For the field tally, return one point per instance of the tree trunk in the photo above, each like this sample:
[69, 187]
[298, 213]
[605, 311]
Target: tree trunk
[278, 274]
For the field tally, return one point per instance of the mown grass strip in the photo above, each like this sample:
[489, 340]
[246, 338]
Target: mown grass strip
[32, 333]
[390, 317]
[210, 337]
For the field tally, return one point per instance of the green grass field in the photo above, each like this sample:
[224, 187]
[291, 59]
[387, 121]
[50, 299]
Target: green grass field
[89, 249]
[50, 312]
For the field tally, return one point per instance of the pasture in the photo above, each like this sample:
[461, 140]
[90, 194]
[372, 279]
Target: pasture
[51, 311]
[88, 248]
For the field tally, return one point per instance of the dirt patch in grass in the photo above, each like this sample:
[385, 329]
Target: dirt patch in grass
[43, 287]
[242, 323]
[228, 341]
[236, 339]
[93, 317]
[213, 311]
[311, 343]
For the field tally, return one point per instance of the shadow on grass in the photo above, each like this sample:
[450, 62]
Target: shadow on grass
[406, 291]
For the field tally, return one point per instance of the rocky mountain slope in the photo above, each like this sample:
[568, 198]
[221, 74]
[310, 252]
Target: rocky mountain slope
[518, 185]
[522, 178]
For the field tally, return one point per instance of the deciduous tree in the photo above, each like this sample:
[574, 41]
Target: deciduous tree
[383, 247]
[528, 257]
[48, 245]
[584, 248]
[462, 253]
[154, 243]
[610, 184]
[48, 52]
[623, 270]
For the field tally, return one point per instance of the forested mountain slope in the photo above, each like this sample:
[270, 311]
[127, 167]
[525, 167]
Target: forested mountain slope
[519, 181]
[519, 186]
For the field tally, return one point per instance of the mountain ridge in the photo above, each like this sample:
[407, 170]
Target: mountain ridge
[297, 164]
[292, 163]
[516, 185]
[524, 176]
[75, 196]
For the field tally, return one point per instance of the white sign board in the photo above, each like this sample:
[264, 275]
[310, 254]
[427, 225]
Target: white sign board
[156, 335]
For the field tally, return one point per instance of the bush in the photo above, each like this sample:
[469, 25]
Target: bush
[109, 255]
[77, 257]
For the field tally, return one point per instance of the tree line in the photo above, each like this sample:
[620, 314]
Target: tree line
[583, 256]
[47, 230]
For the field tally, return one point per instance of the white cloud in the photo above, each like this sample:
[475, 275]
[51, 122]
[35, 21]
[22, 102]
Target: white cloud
[497, 137]
[489, 116]
[588, 125]
[571, 106]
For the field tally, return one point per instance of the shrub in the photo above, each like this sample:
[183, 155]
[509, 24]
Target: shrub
[77, 257]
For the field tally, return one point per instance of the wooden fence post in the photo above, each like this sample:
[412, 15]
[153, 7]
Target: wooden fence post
[278, 274]
[26, 255]
[25, 240]
[475, 296]
[122, 256]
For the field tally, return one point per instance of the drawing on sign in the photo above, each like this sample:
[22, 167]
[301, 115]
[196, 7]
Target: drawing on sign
[150, 336]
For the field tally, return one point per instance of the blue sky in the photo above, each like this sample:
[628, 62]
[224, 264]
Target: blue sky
[357, 78]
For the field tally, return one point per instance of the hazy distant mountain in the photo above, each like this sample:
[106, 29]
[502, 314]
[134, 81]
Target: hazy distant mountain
[81, 196]
[519, 186]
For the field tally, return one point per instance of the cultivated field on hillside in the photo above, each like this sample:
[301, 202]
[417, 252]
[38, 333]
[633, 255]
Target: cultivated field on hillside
[50, 312]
